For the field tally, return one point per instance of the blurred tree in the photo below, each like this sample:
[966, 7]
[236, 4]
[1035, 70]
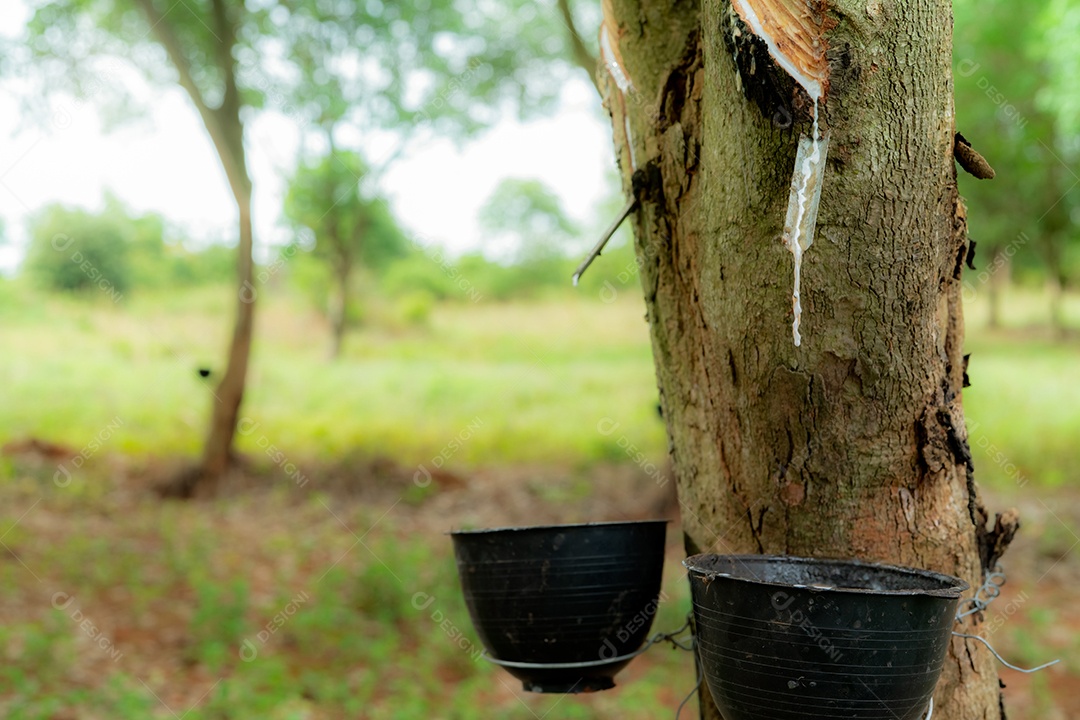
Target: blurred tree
[527, 221]
[378, 77]
[75, 250]
[117, 249]
[450, 66]
[581, 51]
[201, 42]
[1009, 104]
[352, 231]
[388, 70]
[1060, 54]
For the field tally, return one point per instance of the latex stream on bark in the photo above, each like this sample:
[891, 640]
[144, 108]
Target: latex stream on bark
[610, 58]
[795, 44]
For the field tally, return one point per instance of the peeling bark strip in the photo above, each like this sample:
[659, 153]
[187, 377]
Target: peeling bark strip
[853, 445]
[794, 39]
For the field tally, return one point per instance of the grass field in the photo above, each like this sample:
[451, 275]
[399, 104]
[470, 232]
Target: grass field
[537, 378]
[121, 606]
[527, 383]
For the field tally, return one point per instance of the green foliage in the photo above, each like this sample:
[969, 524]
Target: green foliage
[75, 46]
[310, 276]
[113, 251]
[475, 278]
[527, 220]
[346, 228]
[183, 267]
[525, 279]
[1015, 95]
[444, 65]
[419, 273]
[1060, 22]
[158, 261]
[218, 623]
[75, 250]
[415, 308]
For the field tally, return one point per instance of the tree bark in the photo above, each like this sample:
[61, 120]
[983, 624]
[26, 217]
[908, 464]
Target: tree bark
[854, 443]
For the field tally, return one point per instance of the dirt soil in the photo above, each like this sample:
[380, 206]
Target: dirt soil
[1035, 619]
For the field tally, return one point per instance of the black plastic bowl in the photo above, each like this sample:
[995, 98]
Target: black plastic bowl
[544, 598]
[787, 638]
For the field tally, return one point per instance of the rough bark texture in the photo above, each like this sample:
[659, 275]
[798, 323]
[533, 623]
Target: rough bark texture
[852, 445]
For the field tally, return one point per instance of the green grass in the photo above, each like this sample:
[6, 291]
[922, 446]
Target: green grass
[1023, 407]
[286, 619]
[532, 381]
[181, 587]
[1023, 412]
[488, 384]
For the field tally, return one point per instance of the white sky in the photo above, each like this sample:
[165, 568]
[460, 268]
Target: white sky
[166, 164]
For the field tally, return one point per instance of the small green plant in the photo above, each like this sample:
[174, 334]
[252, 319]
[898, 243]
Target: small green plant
[219, 622]
[415, 308]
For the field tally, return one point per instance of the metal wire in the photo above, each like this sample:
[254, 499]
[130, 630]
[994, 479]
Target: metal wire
[990, 590]
[1002, 660]
[697, 688]
[657, 638]
[560, 666]
[671, 637]
[986, 594]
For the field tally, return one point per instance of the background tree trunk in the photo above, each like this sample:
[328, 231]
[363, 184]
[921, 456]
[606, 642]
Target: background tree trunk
[226, 130]
[1052, 237]
[853, 444]
[1000, 272]
[217, 452]
[339, 314]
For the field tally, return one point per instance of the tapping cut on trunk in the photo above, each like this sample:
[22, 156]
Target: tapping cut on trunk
[794, 37]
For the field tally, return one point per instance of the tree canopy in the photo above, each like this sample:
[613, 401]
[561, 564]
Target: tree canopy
[527, 220]
[326, 203]
[1016, 102]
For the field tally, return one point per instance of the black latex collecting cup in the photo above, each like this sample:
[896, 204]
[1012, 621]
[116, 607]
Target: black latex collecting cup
[544, 598]
[787, 638]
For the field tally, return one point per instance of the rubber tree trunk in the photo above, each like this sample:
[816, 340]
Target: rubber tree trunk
[853, 444]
